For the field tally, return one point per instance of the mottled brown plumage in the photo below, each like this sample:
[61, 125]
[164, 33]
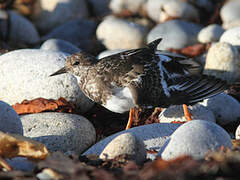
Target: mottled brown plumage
[141, 78]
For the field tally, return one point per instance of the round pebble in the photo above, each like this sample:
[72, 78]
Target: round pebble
[25, 75]
[211, 33]
[195, 138]
[21, 163]
[117, 33]
[230, 11]
[50, 14]
[59, 45]
[223, 61]
[9, 120]
[162, 10]
[125, 143]
[59, 131]
[70, 31]
[237, 133]
[176, 114]
[21, 30]
[109, 53]
[153, 136]
[225, 107]
[231, 36]
[121, 6]
[176, 34]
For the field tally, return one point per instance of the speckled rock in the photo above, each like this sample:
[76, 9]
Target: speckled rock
[175, 33]
[50, 14]
[29, 78]
[117, 33]
[59, 45]
[121, 6]
[109, 53]
[175, 114]
[70, 31]
[100, 8]
[225, 107]
[237, 133]
[21, 31]
[223, 62]
[195, 138]
[125, 143]
[163, 10]
[59, 131]
[9, 120]
[231, 36]
[153, 136]
[230, 11]
[211, 33]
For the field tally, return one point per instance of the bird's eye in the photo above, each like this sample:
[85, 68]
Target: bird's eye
[75, 63]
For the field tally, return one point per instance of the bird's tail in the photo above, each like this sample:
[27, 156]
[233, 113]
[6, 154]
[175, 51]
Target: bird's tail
[153, 45]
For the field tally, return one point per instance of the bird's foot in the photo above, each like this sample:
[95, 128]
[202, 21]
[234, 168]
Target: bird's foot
[187, 114]
[130, 119]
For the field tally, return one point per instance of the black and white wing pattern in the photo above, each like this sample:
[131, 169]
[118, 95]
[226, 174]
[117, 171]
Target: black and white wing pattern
[182, 82]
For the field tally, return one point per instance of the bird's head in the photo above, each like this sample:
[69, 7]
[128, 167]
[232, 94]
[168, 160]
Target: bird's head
[76, 63]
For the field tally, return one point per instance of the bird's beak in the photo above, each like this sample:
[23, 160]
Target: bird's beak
[60, 71]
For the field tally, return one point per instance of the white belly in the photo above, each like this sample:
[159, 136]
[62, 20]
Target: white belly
[121, 100]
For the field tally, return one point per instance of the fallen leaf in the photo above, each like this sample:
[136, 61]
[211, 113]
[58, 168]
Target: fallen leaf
[40, 104]
[14, 145]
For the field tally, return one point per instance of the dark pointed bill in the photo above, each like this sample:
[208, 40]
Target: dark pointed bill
[61, 71]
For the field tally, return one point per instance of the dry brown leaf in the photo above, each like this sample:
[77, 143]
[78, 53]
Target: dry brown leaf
[40, 104]
[13, 145]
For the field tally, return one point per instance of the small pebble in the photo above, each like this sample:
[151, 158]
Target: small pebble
[127, 35]
[175, 114]
[59, 131]
[225, 107]
[153, 136]
[237, 133]
[211, 33]
[50, 14]
[9, 120]
[125, 143]
[231, 36]
[59, 45]
[195, 138]
[176, 34]
[223, 61]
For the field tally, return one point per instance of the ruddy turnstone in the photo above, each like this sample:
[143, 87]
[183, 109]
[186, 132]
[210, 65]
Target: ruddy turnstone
[142, 78]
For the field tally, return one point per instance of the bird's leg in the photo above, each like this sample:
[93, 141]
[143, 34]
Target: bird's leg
[130, 119]
[187, 114]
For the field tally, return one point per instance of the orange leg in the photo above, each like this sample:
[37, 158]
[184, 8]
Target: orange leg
[187, 114]
[130, 119]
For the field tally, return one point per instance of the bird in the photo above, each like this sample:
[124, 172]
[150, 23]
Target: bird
[142, 78]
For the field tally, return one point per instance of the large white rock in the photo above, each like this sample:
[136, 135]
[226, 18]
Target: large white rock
[225, 107]
[116, 33]
[176, 114]
[195, 138]
[59, 131]
[175, 33]
[223, 61]
[231, 36]
[49, 14]
[153, 136]
[9, 120]
[24, 74]
[125, 143]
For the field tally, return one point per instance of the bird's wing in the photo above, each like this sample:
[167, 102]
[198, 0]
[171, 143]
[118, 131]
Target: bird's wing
[182, 87]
